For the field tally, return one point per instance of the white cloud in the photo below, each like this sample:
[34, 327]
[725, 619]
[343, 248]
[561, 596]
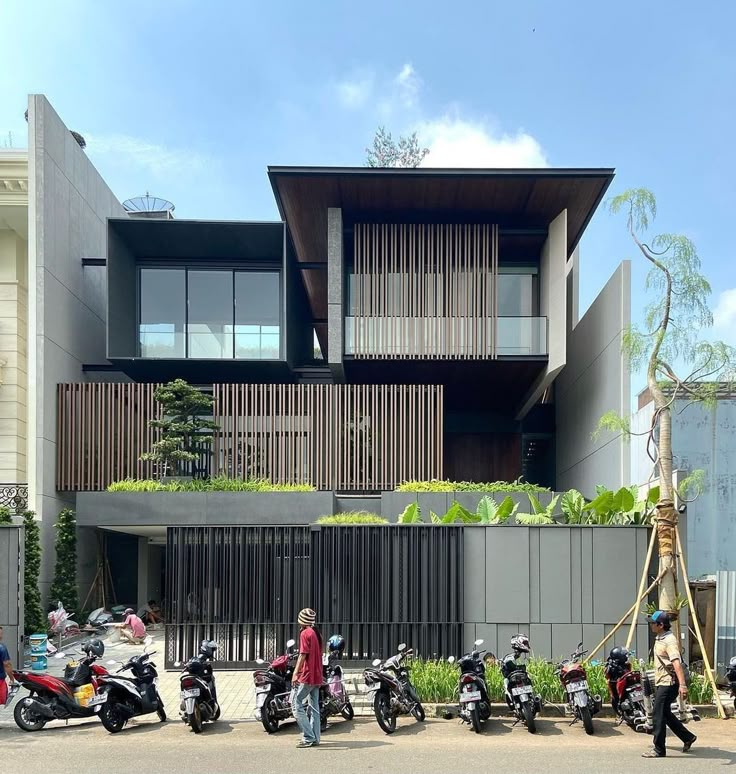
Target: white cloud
[455, 142]
[136, 153]
[356, 91]
[724, 316]
[408, 85]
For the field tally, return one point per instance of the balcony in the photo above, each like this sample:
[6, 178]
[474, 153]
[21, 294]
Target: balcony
[445, 337]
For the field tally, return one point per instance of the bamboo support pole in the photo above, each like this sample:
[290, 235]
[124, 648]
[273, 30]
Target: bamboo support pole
[631, 610]
[706, 660]
[644, 572]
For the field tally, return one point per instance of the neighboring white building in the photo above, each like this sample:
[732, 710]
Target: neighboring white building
[702, 439]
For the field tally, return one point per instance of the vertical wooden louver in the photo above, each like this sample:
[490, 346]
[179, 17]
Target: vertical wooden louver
[345, 437]
[424, 291]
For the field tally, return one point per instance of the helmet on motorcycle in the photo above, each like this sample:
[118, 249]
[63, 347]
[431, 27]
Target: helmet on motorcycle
[621, 655]
[732, 663]
[94, 647]
[336, 644]
[208, 648]
[520, 642]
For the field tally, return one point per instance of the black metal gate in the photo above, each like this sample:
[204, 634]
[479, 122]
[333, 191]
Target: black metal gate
[377, 586]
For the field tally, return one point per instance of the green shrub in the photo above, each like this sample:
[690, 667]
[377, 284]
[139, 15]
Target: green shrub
[64, 586]
[34, 621]
[352, 517]
[436, 485]
[5, 517]
[216, 484]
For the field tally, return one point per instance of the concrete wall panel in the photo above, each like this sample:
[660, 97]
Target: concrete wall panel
[507, 570]
[555, 579]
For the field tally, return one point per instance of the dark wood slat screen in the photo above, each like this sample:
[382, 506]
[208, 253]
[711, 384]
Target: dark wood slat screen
[345, 437]
[424, 291]
[102, 429]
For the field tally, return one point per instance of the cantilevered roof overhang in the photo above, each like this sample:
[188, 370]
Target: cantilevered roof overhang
[513, 198]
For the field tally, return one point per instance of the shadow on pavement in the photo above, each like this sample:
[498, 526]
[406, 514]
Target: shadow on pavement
[709, 753]
[345, 745]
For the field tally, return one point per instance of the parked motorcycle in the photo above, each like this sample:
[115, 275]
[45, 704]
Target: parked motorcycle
[333, 696]
[518, 686]
[393, 691]
[581, 703]
[76, 695]
[198, 690]
[731, 677]
[99, 619]
[626, 690]
[475, 703]
[129, 697]
[61, 623]
[273, 689]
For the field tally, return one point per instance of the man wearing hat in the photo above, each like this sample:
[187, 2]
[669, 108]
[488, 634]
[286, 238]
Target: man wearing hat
[308, 679]
[669, 679]
[132, 629]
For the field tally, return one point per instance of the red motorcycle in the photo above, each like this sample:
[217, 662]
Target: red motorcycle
[273, 689]
[626, 689]
[582, 705]
[54, 698]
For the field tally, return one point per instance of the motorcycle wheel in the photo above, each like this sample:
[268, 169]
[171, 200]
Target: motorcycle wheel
[475, 719]
[112, 719]
[270, 723]
[587, 719]
[531, 723]
[382, 709]
[195, 719]
[160, 711]
[347, 711]
[418, 712]
[217, 714]
[25, 719]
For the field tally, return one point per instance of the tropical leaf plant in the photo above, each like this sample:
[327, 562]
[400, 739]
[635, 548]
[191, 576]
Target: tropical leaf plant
[491, 512]
[572, 504]
[540, 514]
[412, 514]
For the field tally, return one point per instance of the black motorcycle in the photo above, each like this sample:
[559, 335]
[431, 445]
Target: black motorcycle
[198, 691]
[627, 691]
[129, 697]
[731, 677]
[393, 692]
[519, 691]
[475, 703]
[273, 689]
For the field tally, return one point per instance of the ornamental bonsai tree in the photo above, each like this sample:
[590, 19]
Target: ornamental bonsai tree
[185, 431]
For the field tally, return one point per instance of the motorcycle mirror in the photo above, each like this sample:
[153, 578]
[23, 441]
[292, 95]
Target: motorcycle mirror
[376, 662]
[177, 663]
[451, 660]
[402, 647]
[478, 643]
[290, 643]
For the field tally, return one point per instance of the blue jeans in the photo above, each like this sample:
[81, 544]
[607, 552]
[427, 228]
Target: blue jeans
[310, 726]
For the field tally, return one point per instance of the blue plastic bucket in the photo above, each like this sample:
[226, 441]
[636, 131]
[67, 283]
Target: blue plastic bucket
[39, 644]
[39, 663]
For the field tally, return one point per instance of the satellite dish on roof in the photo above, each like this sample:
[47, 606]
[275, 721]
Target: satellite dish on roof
[148, 204]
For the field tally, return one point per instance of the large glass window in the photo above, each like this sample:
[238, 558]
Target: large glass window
[517, 292]
[257, 312]
[163, 313]
[210, 323]
[210, 314]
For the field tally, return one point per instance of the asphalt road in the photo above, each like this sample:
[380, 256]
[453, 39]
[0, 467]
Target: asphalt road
[435, 746]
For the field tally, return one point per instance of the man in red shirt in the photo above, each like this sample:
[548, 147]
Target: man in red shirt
[308, 679]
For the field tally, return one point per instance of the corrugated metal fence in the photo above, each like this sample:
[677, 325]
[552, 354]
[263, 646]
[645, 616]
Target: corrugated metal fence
[725, 618]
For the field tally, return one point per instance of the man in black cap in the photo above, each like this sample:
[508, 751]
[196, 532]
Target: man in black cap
[669, 679]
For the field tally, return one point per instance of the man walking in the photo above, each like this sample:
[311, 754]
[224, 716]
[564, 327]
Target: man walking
[669, 679]
[308, 679]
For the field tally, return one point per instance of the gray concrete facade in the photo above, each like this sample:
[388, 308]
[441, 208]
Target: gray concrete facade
[69, 203]
[11, 589]
[595, 380]
[558, 585]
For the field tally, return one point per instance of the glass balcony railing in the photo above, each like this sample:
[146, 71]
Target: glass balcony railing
[462, 337]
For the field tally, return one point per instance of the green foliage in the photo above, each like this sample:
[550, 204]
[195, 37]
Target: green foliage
[387, 152]
[412, 514]
[185, 432]
[5, 517]
[651, 607]
[490, 512]
[34, 618]
[64, 586]
[215, 484]
[700, 691]
[692, 486]
[352, 517]
[540, 514]
[436, 485]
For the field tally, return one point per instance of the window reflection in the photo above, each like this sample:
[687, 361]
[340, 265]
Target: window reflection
[163, 313]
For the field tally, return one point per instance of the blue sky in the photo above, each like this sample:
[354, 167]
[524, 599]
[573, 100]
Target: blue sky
[192, 101]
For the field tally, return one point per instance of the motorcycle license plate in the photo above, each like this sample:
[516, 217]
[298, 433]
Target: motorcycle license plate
[520, 690]
[190, 693]
[581, 686]
[99, 699]
[470, 696]
[637, 695]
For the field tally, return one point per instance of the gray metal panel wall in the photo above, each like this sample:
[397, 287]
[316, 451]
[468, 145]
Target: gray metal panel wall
[11, 590]
[725, 618]
[122, 297]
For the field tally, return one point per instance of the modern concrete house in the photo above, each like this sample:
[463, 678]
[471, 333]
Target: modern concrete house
[393, 324]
